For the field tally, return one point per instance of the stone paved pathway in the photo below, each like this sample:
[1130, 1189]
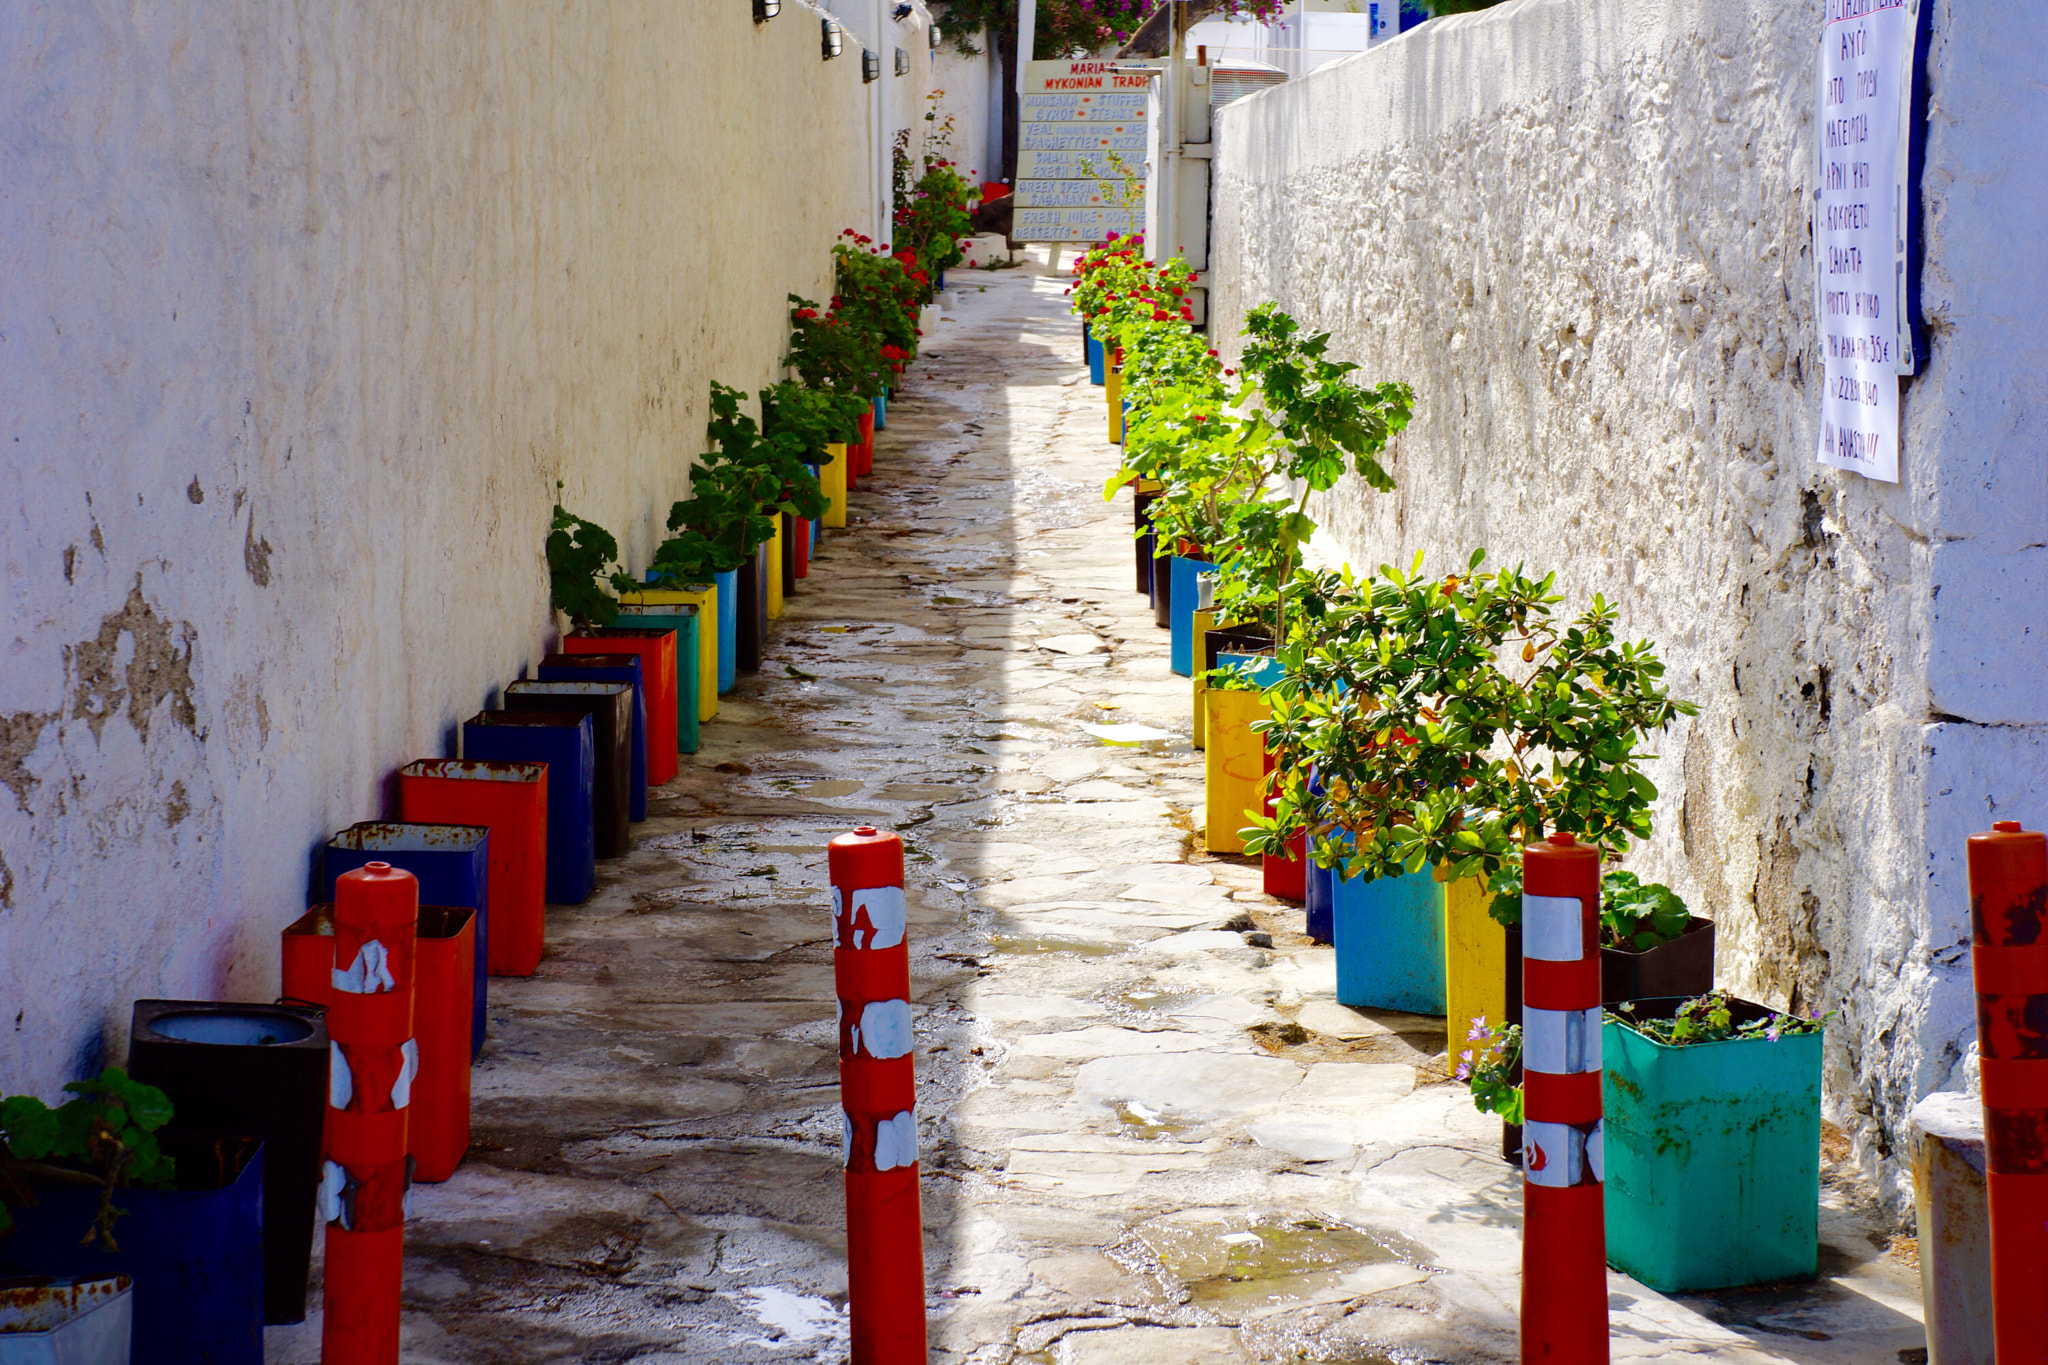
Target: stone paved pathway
[1146, 1142]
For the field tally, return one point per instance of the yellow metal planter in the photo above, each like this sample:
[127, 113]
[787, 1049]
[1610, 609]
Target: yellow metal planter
[1234, 766]
[705, 599]
[772, 579]
[1203, 620]
[832, 480]
[1114, 388]
[1475, 962]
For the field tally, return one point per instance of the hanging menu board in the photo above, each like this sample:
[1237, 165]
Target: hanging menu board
[1075, 114]
[1864, 82]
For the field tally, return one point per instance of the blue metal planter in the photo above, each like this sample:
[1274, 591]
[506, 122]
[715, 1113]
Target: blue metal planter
[728, 581]
[621, 668]
[195, 1252]
[881, 411]
[1390, 943]
[1097, 363]
[1181, 608]
[1320, 885]
[562, 741]
[453, 864]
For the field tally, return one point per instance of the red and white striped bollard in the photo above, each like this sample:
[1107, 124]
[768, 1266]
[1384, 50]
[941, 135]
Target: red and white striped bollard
[878, 1093]
[367, 1174]
[2009, 959]
[1564, 1233]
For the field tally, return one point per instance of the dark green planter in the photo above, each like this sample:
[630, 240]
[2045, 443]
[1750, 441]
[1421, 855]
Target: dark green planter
[1712, 1155]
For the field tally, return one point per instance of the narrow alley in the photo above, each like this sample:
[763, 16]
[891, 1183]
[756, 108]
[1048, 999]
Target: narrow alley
[1149, 1133]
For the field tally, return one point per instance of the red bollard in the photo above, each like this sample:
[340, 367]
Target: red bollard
[2008, 912]
[878, 1090]
[363, 1185]
[1564, 1232]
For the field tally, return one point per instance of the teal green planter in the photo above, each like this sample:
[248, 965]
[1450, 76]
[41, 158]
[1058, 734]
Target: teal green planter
[1712, 1156]
[681, 619]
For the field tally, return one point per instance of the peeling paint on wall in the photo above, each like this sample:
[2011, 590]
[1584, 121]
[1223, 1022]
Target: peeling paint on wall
[138, 660]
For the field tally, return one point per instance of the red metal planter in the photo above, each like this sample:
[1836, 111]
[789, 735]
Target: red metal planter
[657, 651]
[445, 965]
[511, 800]
[865, 452]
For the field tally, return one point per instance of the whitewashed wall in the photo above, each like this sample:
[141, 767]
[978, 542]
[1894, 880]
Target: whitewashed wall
[307, 309]
[1579, 227]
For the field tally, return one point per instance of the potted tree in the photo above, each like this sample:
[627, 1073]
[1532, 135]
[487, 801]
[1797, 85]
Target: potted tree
[1451, 721]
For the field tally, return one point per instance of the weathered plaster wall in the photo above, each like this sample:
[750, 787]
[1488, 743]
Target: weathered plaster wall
[1579, 227]
[307, 309]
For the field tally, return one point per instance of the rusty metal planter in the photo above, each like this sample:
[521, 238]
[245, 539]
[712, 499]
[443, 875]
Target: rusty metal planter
[1712, 1155]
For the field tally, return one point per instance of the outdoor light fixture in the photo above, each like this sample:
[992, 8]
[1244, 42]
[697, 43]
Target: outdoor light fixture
[870, 66]
[764, 10]
[834, 44]
[902, 62]
[900, 13]
[933, 34]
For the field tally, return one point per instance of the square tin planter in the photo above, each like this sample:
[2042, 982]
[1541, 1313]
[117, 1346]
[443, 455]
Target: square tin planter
[610, 708]
[1234, 761]
[1389, 935]
[1475, 961]
[625, 668]
[752, 582]
[1682, 967]
[257, 1071]
[657, 648]
[1142, 495]
[437, 1126]
[44, 1321]
[728, 584]
[1712, 1155]
[561, 741]
[195, 1253]
[452, 864]
[1186, 600]
[834, 482]
[511, 801]
[682, 619]
[703, 599]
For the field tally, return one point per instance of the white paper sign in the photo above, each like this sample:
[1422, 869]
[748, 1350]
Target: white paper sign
[1859, 230]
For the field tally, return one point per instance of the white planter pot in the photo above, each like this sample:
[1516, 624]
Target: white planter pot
[82, 1322]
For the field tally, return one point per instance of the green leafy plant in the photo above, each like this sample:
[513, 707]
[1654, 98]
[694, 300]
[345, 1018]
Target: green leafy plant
[581, 562]
[738, 490]
[1710, 1018]
[813, 419]
[1489, 1067]
[1633, 915]
[1453, 720]
[104, 1137]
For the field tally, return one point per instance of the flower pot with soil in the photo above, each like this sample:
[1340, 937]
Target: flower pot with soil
[1711, 1142]
[690, 690]
[560, 742]
[612, 668]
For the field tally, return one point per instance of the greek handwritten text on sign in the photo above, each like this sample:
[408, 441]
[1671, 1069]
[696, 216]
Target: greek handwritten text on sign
[1859, 232]
[1032, 194]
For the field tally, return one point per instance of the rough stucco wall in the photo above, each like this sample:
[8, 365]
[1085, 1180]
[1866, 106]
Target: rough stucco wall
[308, 308]
[1579, 227]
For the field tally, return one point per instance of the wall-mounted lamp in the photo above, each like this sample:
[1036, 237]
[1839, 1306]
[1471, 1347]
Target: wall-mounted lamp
[902, 62]
[764, 10]
[834, 44]
[900, 13]
[870, 66]
[933, 34]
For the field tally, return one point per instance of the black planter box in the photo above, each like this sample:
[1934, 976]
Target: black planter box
[1141, 507]
[257, 1071]
[752, 625]
[610, 708]
[1233, 640]
[1683, 967]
